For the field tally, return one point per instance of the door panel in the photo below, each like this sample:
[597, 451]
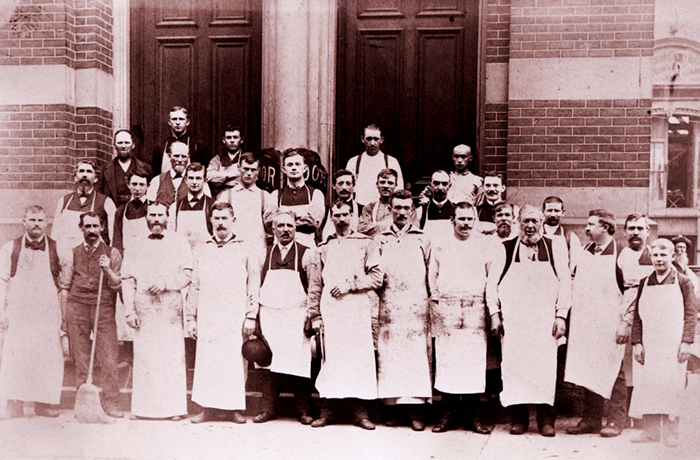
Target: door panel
[203, 55]
[411, 68]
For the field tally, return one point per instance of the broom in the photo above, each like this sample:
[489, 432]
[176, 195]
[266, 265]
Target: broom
[88, 408]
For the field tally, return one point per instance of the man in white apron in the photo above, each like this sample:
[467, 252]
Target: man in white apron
[662, 333]
[530, 279]
[170, 186]
[33, 270]
[435, 211]
[190, 216]
[153, 276]
[403, 339]
[344, 186]
[223, 170]
[222, 304]
[65, 228]
[339, 305]
[88, 261]
[594, 356]
[634, 262]
[249, 202]
[458, 268]
[306, 202]
[283, 313]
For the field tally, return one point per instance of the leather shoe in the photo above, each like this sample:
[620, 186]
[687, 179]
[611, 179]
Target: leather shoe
[113, 412]
[366, 424]
[306, 419]
[611, 430]
[443, 426]
[518, 428]
[263, 417]
[202, 417]
[392, 422]
[417, 424]
[480, 428]
[583, 428]
[237, 417]
[548, 431]
[45, 410]
[319, 422]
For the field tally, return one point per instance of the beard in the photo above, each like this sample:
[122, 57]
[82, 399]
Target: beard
[503, 230]
[530, 240]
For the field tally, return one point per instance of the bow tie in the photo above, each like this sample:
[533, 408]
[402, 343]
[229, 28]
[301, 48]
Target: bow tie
[82, 194]
[177, 176]
[154, 236]
[35, 245]
[597, 249]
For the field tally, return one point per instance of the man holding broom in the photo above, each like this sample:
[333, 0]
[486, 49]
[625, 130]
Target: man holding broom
[94, 263]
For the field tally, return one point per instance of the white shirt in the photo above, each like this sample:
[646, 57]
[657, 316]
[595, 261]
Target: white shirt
[366, 182]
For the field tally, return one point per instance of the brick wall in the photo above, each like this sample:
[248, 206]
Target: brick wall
[579, 143]
[495, 138]
[40, 144]
[497, 30]
[76, 33]
[581, 28]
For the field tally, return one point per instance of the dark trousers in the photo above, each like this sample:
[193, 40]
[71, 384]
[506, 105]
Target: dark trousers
[81, 320]
[593, 404]
[519, 414]
[466, 405]
[300, 386]
[331, 407]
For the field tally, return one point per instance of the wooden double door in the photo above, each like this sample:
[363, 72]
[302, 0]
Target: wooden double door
[205, 55]
[409, 66]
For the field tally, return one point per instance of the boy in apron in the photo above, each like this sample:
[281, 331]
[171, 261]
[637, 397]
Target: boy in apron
[662, 332]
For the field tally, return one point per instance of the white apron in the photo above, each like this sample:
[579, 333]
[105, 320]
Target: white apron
[348, 370]
[593, 358]
[458, 322]
[132, 230]
[66, 229]
[282, 317]
[528, 295]
[220, 369]
[660, 382]
[248, 207]
[192, 225]
[32, 360]
[402, 345]
[307, 239]
[438, 229]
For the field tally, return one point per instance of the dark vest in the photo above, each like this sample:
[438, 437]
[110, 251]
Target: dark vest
[544, 254]
[166, 189]
[53, 258]
[431, 212]
[287, 264]
[86, 275]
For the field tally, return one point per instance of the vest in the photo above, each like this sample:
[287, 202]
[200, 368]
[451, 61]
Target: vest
[544, 253]
[431, 212]
[288, 265]
[53, 258]
[166, 189]
[86, 275]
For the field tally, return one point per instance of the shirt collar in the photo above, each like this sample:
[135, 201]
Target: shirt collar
[286, 247]
[91, 247]
[191, 197]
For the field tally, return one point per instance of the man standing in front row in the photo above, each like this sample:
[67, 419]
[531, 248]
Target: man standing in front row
[152, 277]
[91, 258]
[402, 346]
[594, 357]
[368, 164]
[459, 266]
[338, 303]
[33, 268]
[283, 313]
[216, 312]
[531, 281]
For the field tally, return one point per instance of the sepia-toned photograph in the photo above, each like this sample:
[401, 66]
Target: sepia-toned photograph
[350, 229]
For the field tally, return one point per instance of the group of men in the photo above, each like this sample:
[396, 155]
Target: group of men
[407, 302]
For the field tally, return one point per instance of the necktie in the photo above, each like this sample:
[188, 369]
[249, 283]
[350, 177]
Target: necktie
[35, 245]
[154, 236]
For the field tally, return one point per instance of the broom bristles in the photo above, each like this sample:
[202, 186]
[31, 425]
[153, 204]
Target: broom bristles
[87, 406]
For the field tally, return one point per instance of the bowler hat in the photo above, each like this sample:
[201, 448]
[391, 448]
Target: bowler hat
[258, 351]
[682, 239]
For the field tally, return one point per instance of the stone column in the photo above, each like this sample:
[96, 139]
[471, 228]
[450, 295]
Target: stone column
[120, 105]
[298, 88]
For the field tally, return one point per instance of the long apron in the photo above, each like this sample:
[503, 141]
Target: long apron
[528, 295]
[438, 229]
[193, 226]
[282, 316]
[66, 228]
[32, 359]
[593, 358]
[307, 239]
[220, 369]
[348, 370]
[458, 324]
[132, 230]
[660, 382]
[402, 345]
[160, 380]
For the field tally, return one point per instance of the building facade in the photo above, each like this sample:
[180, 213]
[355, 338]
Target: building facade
[596, 101]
